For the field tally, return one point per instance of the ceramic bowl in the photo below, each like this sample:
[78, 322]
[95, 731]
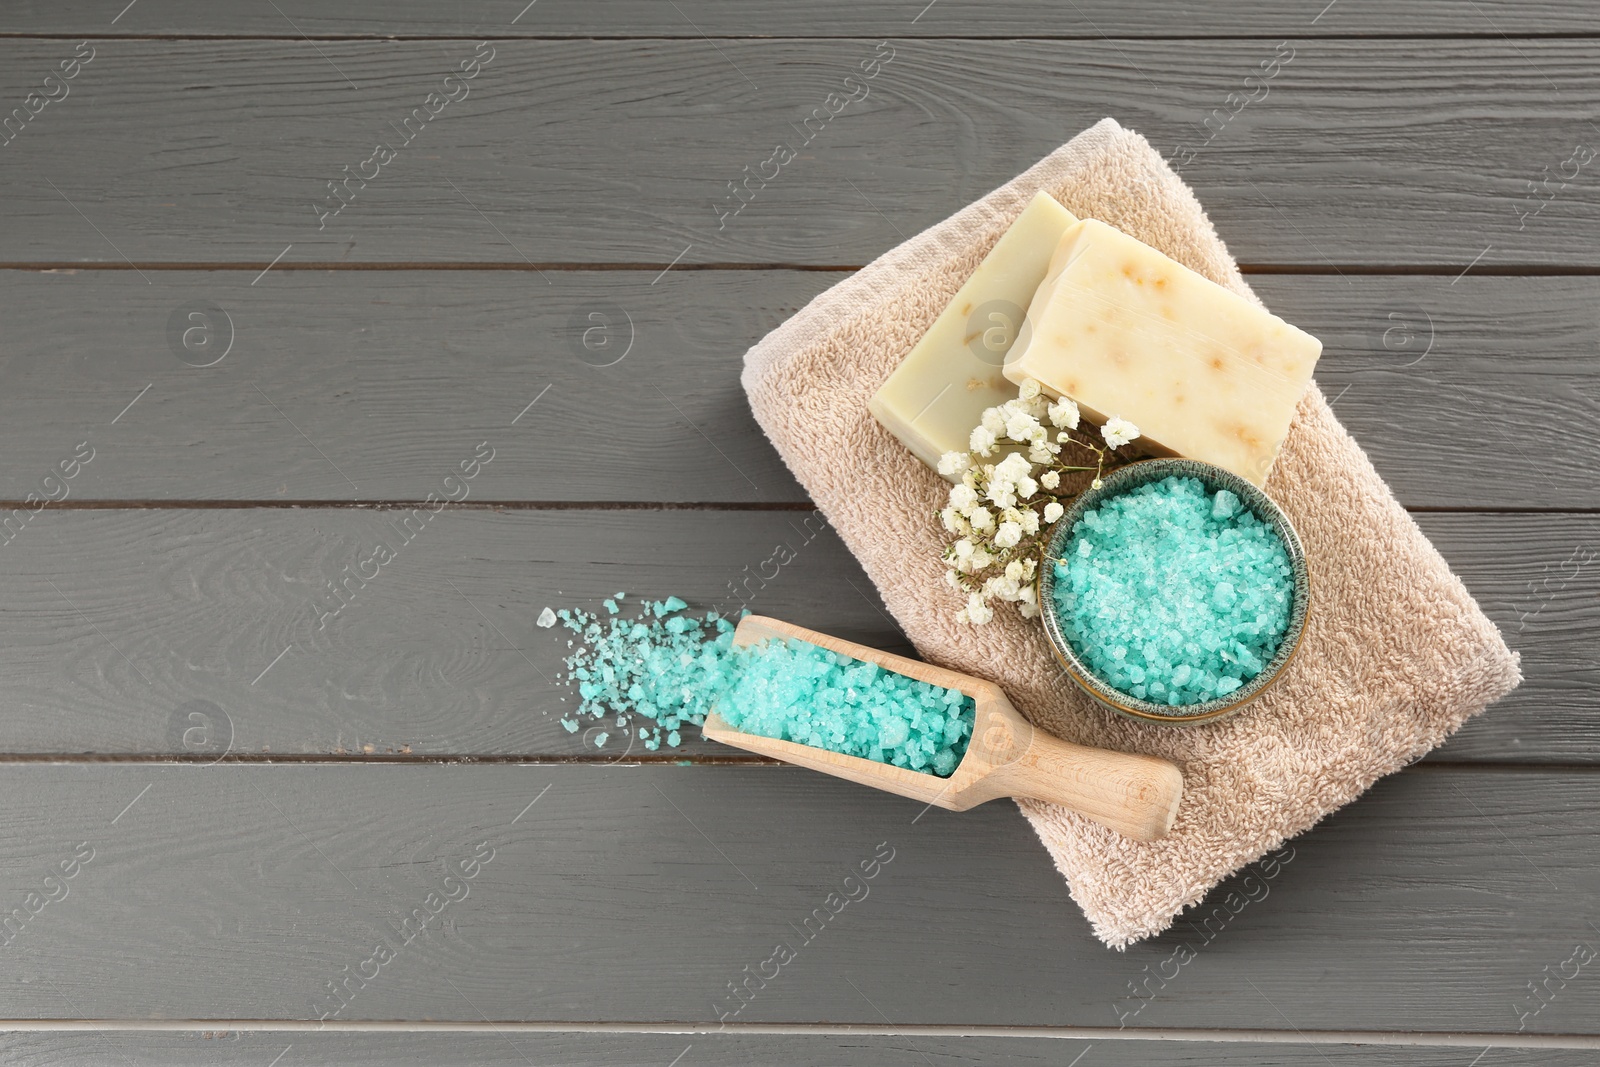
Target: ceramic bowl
[1131, 477]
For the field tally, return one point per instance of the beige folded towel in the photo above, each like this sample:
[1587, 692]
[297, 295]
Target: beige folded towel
[1396, 655]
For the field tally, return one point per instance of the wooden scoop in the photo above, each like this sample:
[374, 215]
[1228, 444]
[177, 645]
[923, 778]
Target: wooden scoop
[1006, 757]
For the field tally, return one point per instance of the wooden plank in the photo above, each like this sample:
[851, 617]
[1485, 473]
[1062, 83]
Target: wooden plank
[209, 1048]
[394, 378]
[234, 891]
[952, 18]
[1538, 578]
[1374, 123]
[114, 624]
[1441, 381]
[376, 386]
[233, 614]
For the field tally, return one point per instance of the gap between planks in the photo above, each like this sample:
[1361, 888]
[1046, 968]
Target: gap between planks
[384, 38]
[806, 506]
[161, 504]
[1446, 270]
[1496, 1039]
[1439, 764]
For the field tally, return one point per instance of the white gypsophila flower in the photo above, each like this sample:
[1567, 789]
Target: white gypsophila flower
[963, 498]
[1028, 568]
[977, 611]
[1015, 571]
[980, 558]
[1118, 432]
[980, 518]
[1008, 535]
[993, 420]
[1039, 454]
[1053, 511]
[1011, 468]
[954, 464]
[1030, 522]
[962, 548]
[1020, 426]
[982, 440]
[962, 617]
[1096, 484]
[1002, 494]
[1028, 389]
[952, 579]
[950, 519]
[1028, 609]
[1050, 479]
[1026, 487]
[1064, 414]
[1029, 595]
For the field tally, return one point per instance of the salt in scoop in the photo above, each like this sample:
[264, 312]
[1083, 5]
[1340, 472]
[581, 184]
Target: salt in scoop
[1137, 796]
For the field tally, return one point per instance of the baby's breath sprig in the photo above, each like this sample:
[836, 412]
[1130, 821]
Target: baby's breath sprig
[999, 514]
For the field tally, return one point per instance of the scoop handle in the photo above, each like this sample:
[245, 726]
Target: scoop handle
[1137, 796]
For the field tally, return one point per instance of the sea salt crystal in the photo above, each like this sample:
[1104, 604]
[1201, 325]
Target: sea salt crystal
[795, 691]
[668, 667]
[1174, 593]
[547, 618]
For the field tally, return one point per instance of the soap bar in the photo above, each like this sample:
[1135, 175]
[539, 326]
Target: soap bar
[1124, 330]
[939, 392]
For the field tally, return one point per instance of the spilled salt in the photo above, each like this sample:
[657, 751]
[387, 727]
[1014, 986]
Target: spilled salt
[656, 670]
[665, 667]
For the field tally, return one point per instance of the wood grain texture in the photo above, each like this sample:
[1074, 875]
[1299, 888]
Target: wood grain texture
[901, 18]
[218, 1048]
[113, 623]
[1440, 382]
[640, 893]
[1538, 579]
[376, 386]
[231, 614]
[394, 378]
[618, 151]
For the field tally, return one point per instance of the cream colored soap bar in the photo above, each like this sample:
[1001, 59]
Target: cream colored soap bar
[939, 392]
[1124, 330]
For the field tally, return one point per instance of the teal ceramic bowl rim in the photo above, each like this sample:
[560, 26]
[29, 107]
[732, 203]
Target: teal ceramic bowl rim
[1131, 477]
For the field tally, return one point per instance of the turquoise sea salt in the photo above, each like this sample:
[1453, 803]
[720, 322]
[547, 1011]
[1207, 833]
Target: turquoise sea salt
[648, 675]
[1173, 592]
[795, 691]
[658, 670]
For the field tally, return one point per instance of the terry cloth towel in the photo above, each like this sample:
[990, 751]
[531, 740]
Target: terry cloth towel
[1396, 654]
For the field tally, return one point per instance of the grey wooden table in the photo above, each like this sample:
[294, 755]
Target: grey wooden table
[225, 377]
